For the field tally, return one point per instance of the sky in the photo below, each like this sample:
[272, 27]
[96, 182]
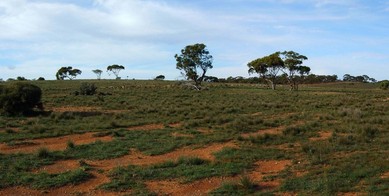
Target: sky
[339, 37]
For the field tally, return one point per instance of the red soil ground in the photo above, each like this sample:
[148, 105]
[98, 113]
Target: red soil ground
[52, 144]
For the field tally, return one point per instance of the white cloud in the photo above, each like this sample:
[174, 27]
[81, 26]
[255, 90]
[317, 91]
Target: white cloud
[144, 35]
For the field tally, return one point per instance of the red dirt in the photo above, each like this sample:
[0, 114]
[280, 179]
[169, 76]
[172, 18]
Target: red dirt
[176, 134]
[89, 187]
[53, 144]
[264, 168]
[324, 135]
[147, 127]
[205, 131]
[12, 128]
[201, 187]
[272, 131]
[59, 167]
[175, 125]
[137, 158]
[350, 194]
[75, 109]
[20, 191]
[385, 175]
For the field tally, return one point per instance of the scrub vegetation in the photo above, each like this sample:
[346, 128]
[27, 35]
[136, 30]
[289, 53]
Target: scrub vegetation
[137, 137]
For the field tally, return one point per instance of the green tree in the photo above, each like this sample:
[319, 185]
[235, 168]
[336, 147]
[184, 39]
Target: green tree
[98, 73]
[384, 85]
[160, 77]
[115, 69]
[194, 62]
[293, 65]
[267, 67]
[19, 98]
[67, 72]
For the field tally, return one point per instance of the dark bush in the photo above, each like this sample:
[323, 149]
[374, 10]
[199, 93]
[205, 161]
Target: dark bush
[19, 98]
[384, 85]
[87, 89]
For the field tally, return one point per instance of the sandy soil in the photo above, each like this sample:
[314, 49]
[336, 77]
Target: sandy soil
[271, 131]
[52, 144]
[324, 135]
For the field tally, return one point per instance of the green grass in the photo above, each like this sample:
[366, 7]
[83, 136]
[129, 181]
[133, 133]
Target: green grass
[351, 160]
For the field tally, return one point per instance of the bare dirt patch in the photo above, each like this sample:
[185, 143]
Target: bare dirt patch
[151, 127]
[137, 158]
[75, 109]
[265, 168]
[147, 127]
[87, 188]
[175, 125]
[20, 191]
[53, 144]
[176, 134]
[329, 93]
[12, 129]
[385, 175]
[324, 135]
[271, 131]
[205, 131]
[201, 187]
[59, 167]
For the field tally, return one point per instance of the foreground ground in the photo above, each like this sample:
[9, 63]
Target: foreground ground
[150, 137]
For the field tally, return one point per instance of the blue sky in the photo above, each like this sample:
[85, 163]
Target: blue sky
[338, 36]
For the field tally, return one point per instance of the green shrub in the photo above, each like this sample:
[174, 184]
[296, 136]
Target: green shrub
[43, 153]
[19, 98]
[384, 85]
[87, 89]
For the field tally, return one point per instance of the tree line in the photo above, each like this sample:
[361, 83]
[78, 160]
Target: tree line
[195, 60]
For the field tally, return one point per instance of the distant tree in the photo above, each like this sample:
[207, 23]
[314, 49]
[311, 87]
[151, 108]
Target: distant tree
[372, 80]
[363, 78]
[67, 72]
[384, 85]
[20, 78]
[211, 79]
[160, 77]
[98, 73]
[348, 78]
[115, 69]
[267, 67]
[293, 65]
[194, 62]
[41, 78]
[19, 98]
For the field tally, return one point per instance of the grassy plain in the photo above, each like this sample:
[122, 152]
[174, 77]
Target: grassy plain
[148, 135]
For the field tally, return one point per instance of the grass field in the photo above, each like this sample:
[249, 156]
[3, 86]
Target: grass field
[156, 138]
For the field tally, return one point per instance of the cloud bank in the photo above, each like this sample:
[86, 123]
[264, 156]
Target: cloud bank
[40, 36]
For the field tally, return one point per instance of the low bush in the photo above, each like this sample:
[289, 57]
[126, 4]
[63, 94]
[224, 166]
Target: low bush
[384, 85]
[20, 98]
[87, 89]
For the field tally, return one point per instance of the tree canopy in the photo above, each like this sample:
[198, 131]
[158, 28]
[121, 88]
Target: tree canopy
[98, 73]
[67, 72]
[115, 69]
[293, 65]
[267, 67]
[289, 62]
[194, 62]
